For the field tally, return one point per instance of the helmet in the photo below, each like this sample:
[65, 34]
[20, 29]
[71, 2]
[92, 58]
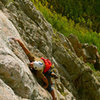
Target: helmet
[38, 65]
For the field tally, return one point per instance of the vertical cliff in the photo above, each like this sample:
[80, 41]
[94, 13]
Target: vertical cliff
[22, 20]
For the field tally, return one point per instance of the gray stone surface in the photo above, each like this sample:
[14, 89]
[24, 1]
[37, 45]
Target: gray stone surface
[75, 81]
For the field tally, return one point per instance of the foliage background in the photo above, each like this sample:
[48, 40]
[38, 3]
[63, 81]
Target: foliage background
[68, 21]
[85, 12]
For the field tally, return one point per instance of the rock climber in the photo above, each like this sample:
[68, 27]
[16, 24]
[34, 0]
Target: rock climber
[42, 68]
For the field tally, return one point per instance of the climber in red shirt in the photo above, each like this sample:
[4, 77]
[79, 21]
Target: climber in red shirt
[41, 66]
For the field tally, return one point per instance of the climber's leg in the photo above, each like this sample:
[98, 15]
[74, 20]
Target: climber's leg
[49, 88]
[51, 91]
[53, 95]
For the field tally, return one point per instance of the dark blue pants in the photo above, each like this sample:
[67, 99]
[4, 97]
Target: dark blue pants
[48, 76]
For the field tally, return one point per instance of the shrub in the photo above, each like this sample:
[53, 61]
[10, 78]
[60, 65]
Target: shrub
[68, 26]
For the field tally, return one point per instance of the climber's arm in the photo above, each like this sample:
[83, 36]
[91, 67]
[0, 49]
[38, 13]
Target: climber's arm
[54, 75]
[46, 81]
[41, 75]
[27, 52]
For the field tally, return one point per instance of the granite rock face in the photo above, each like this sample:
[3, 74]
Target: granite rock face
[22, 20]
[92, 55]
[14, 70]
[89, 53]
